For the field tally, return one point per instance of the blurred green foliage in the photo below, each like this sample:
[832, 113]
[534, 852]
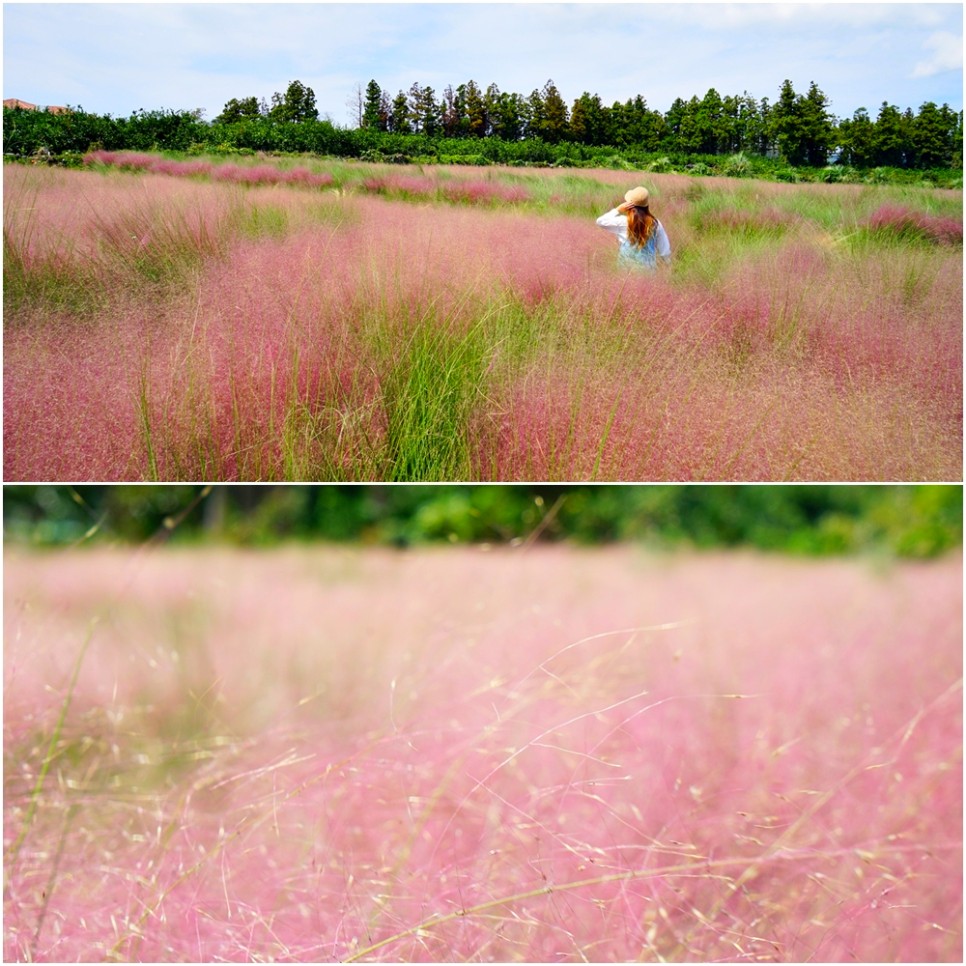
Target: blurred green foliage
[906, 521]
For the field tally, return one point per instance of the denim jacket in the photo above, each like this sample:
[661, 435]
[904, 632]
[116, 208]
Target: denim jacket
[657, 246]
[631, 256]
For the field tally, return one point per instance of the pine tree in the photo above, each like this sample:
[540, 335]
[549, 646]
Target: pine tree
[415, 106]
[555, 115]
[534, 115]
[373, 114]
[709, 128]
[589, 120]
[890, 138]
[673, 120]
[750, 125]
[766, 145]
[689, 131]
[857, 139]
[784, 129]
[506, 113]
[634, 124]
[400, 121]
[476, 113]
[430, 113]
[816, 125]
[453, 112]
[425, 114]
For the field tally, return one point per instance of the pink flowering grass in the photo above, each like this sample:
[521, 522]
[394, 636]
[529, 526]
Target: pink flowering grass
[904, 222]
[317, 754]
[259, 333]
[483, 193]
[578, 418]
[260, 174]
[402, 186]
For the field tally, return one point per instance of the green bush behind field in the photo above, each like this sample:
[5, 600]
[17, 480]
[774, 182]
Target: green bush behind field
[905, 521]
[65, 138]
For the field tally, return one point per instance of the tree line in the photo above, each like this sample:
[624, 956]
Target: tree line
[473, 125]
[798, 127]
[910, 521]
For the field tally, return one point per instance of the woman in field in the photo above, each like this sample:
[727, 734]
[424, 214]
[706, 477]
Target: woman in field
[641, 237]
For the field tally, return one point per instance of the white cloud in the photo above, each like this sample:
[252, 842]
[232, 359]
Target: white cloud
[947, 54]
[114, 58]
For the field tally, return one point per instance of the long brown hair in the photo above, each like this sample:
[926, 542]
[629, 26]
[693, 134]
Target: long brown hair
[640, 225]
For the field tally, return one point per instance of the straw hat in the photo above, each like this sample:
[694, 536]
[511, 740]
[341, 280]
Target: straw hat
[635, 198]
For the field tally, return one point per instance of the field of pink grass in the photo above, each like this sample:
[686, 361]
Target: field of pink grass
[532, 754]
[173, 328]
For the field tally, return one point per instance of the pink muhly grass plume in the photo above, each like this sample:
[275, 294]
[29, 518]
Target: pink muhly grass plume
[273, 345]
[68, 401]
[136, 161]
[100, 157]
[417, 261]
[743, 220]
[148, 394]
[695, 756]
[406, 186]
[484, 193]
[898, 220]
[227, 172]
[256, 175]
[263, 174]
[133, 160]
[306, 178]
[864, 318]
[375, 185]
[182, 168]
[103, 217]
[673, 415]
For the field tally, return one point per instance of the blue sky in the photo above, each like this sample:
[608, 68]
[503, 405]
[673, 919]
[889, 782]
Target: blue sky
[116, 58]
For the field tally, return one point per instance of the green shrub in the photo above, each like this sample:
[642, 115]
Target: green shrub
[737, 166]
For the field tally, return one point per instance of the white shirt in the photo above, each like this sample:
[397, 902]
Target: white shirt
[616, 223]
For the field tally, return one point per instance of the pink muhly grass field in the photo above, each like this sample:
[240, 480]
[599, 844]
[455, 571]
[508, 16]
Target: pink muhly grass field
[251, 332]
[603, 755]
[262, 174]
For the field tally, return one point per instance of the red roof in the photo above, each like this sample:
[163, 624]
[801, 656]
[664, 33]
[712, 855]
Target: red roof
[27, 106]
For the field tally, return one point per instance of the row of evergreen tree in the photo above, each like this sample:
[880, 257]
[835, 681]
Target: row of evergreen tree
[797, 127]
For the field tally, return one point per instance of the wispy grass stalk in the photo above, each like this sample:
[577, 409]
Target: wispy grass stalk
[147, 433]
[11, 853]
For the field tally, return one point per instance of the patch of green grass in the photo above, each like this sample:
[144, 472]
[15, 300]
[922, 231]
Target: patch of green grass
[161, 247]
[264, 221]
[428, 394]
[47, 285]
[829, 210]
[42, 279]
